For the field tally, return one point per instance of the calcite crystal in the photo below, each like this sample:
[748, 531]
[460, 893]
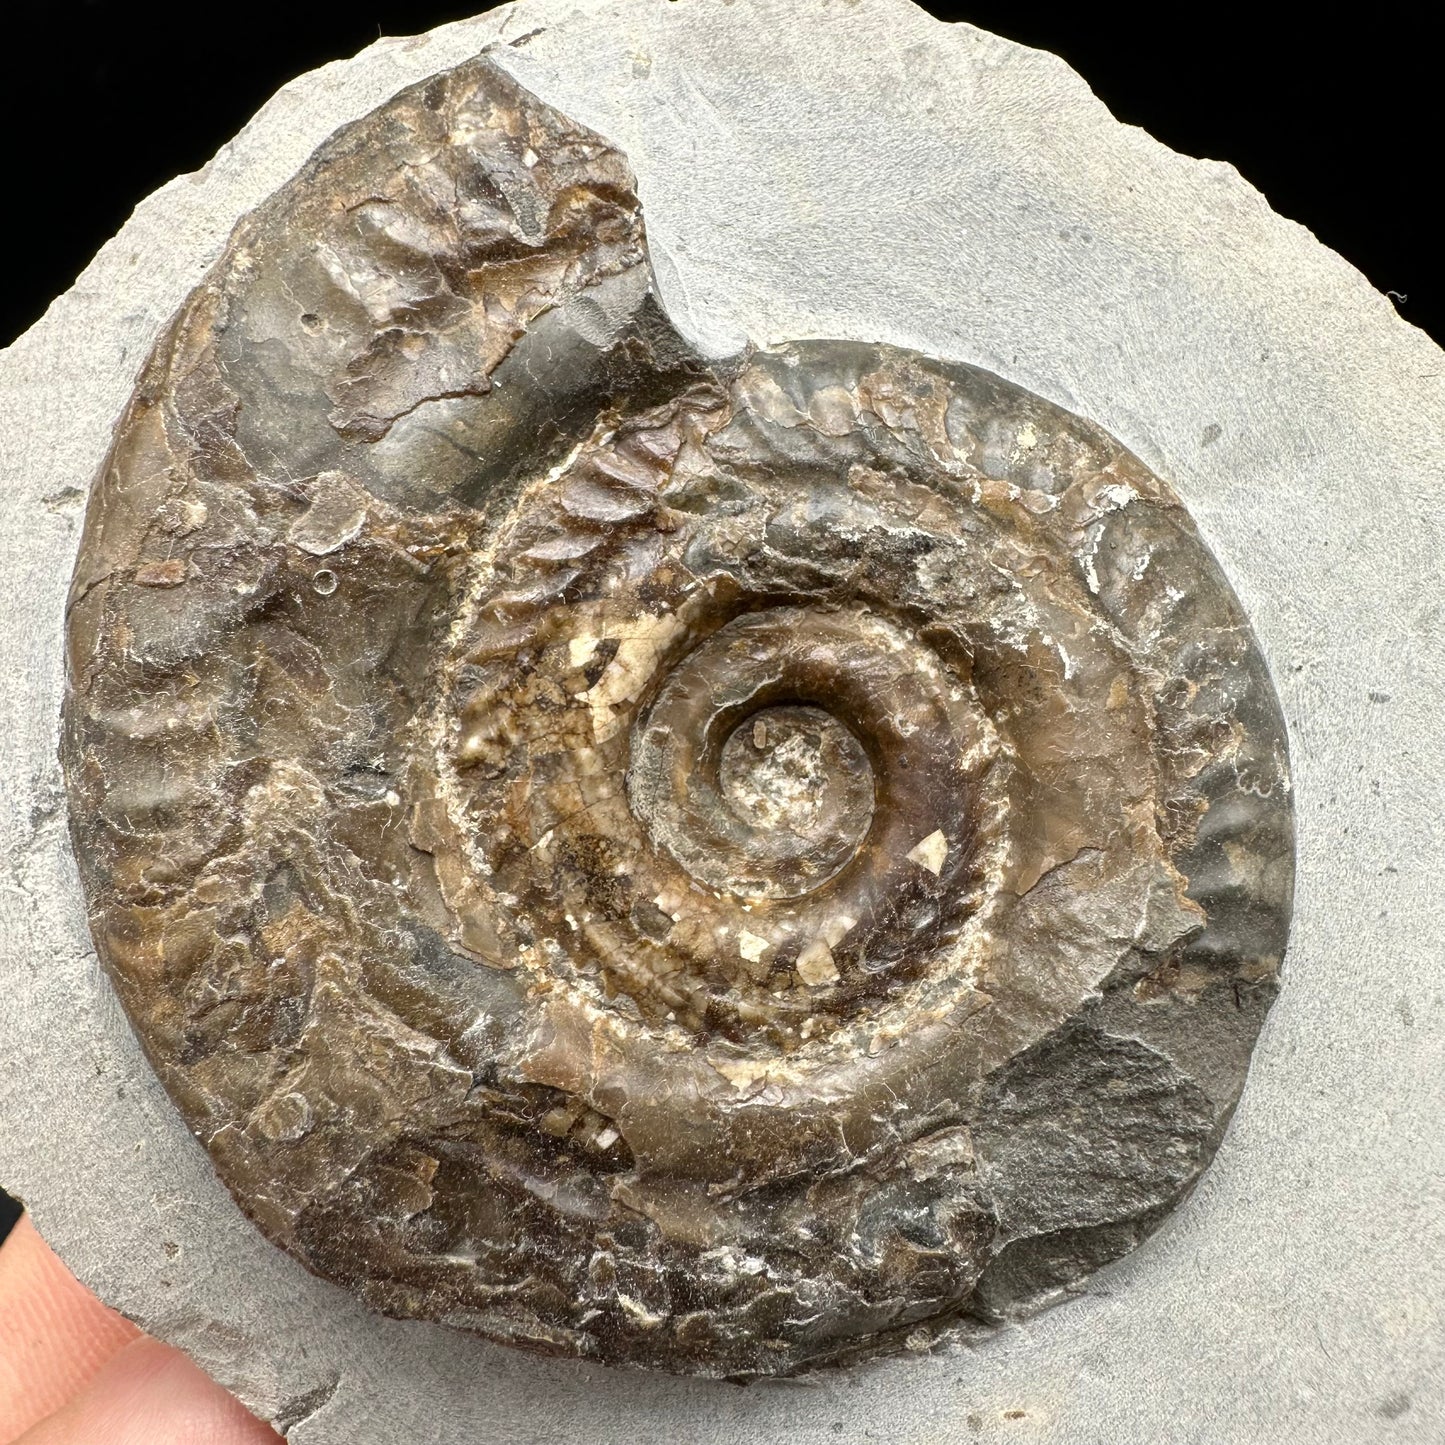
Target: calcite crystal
[718, 866]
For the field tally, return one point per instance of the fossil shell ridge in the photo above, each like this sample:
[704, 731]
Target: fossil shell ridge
[718, 866]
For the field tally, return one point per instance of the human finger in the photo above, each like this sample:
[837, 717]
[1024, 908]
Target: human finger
[150, 1394]
[54, 1334]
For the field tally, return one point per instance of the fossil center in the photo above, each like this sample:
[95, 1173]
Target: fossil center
[797, 771]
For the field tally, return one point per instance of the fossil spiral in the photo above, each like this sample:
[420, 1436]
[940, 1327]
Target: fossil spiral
[719, 866]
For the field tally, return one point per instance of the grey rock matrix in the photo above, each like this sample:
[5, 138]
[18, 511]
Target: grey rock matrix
[1030, 236]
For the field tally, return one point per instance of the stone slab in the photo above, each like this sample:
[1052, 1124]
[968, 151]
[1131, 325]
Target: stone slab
[856, 169]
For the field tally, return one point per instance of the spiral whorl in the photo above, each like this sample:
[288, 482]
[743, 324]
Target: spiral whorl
[721, 867]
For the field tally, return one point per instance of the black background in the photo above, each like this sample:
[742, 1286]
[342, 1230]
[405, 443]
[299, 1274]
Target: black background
[1337, 124]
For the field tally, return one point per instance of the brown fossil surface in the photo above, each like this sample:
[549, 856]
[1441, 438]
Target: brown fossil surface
[724, 867]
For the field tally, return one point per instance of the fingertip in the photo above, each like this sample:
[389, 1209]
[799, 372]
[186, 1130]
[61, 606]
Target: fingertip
[187, 1402]
[54, 1334]
[150, 1394]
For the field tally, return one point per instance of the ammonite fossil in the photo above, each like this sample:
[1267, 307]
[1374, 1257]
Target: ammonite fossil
[725, 866]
